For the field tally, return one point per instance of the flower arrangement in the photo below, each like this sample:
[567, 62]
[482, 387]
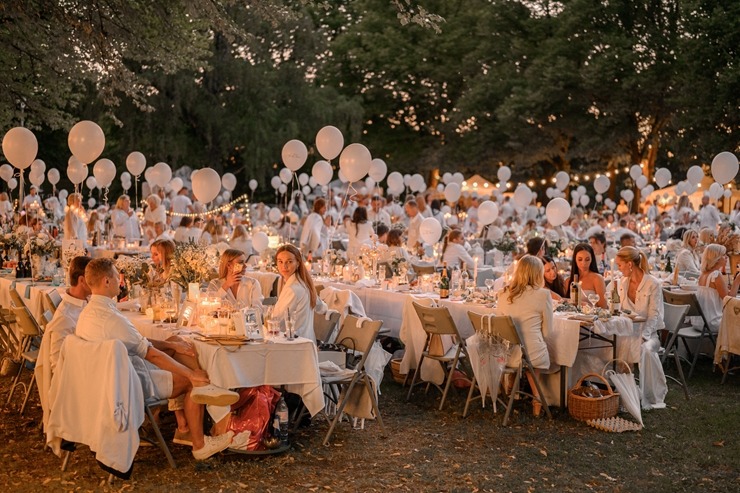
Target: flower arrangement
[41, 245]
[134, 269]
[336, 257]
[399, 265]
[729, 239]
[555, 247]
[14, 241]
[507, 244]
[193, 263]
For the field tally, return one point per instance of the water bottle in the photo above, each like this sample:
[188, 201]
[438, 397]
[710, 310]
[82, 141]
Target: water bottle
[281, 416]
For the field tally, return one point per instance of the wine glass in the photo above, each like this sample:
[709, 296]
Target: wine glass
[593, 298]
[489, 284]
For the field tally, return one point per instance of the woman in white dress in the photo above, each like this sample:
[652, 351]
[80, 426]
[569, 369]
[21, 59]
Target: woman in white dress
[75, 224]
[297, 295]
[121, 218]
[642, 294]
[155, 213]
[232, 286]
[529, 304]
[240, 240]
[712, 287]
[687, 260]
[584, 265]
[454, 252]
[359, 231]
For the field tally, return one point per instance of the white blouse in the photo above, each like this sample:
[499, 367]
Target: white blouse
[248, 293]
[648, 303]
[456, 253]
[294, 296]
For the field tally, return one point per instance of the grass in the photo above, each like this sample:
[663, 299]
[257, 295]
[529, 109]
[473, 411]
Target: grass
[690, 446]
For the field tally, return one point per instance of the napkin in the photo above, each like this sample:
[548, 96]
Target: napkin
[130, 305]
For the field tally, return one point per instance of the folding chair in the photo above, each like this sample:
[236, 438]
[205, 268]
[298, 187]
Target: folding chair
[687, 333]
[437, 322]
[357, 339]
[53, 299]
[504, 327]
[727, 351]
[28, 329]
[674, 315]
[324, 328]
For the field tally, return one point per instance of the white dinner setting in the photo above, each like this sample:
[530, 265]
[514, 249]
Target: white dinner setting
[251, 322]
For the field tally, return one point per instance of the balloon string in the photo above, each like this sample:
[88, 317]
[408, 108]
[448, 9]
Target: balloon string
[105, 196]
[345, 202]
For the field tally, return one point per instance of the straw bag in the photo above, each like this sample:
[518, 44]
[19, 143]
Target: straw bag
[584, 407]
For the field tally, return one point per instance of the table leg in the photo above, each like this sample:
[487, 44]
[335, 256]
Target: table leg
[614, 352]
[562, 387]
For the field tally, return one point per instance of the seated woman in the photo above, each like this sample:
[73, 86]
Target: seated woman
[240, 240]
[162, 252]
[712, 285]
[232, 286]
[297, 294]
[529, 305]
[642, 294]
[583, 264]
[211, 233]
[687, 260]
[359, 231]
[553, 281]
[454, 252]
[537, 246]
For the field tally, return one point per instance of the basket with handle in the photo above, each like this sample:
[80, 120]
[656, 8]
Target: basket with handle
[584, 408]
[622, 367]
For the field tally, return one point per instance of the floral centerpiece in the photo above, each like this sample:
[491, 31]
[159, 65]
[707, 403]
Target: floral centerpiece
[729, 239]
[14, 241]
[399, 264]
[41, 245]
[193, 263]
[135, 269]
[507, 244]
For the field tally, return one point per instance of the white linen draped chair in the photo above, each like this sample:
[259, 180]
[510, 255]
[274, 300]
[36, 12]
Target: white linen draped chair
[504, 327]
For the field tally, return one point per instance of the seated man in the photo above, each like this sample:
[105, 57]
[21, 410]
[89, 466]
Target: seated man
[162, 376]
[627, 239]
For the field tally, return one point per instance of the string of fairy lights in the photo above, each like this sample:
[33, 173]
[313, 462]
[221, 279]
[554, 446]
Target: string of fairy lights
[245, 210]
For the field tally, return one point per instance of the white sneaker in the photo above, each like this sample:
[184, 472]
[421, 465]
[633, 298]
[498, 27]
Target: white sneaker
[213, 445]
[213, 396]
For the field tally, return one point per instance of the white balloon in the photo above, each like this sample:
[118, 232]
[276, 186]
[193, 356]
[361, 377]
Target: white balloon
[285, 175]
[253, 184]
[662, 177]
[135, 163]
[104, 172]
[63, 195]
[6, 172]
[275, 182]
[36, 178]
[206, 185]
[503, 174]
[599, 197]
[724, 167]
[557, 211]
[440, 187]
[91, 182]
[322, 172]
[581, 190]
[602, 183]
[395, 180]
[226, 195]
[447, 178]
[86, 141]
[458, 178]
[260, 241]
[649, 189]
[176, 183]
[716, 191]
[430, 230]
[452, 192]
[690, 188]
[727, 193]
[628, 195]
[149, 175]
[354, 162]
[585, 199]
[126, 185]
[487, 212]
[20, 147]
[12, 183]
[407, 180]
[635, 171]
[161, 174]
[370, 183]
[522, 196]
[303, 179]
[275, 215]
[294, 154]
[91, 202]
[306, 190]
[378, 169]
[548, 192]
[680, 187]
[695, 175]
[312, 182]
[562, 179]
[53, 176]
[228, 181]
[283, 188]
[77, 172]
[641, 181]
[329, 142]
[38, 166]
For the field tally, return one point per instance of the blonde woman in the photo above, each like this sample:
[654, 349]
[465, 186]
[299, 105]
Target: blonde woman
[642, 294]
[75, 227]
[232, 285]
[529, 304]
[155, 213]
[211, 233]
[706, 236]
[712, 286]
[240, 240]
[162, 251]
[687, 260]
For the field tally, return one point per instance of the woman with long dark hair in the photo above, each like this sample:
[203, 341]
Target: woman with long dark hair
[583, 264]
[553, 281]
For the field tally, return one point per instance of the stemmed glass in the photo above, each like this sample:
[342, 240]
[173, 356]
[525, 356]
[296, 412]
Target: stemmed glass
[489, 285]
[593, 298]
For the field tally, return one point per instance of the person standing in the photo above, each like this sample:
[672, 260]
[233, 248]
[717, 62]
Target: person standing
[314, 237]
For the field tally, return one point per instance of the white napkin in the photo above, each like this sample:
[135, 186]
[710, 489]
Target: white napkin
[130, 305]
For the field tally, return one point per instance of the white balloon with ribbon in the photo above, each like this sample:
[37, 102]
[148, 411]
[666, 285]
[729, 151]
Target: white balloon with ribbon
[228, 181]
[294, 154]
[86, 141]
[635, 171]
[135, 163]
[503, 174]
[487, 212]
[557, 211]
[602, 184]
[329, 142]
[378, 169]
[20, 147]
[452, 192]
[104, 172]
[322, 172]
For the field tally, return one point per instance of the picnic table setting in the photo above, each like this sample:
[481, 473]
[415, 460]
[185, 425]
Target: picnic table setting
[235, 307]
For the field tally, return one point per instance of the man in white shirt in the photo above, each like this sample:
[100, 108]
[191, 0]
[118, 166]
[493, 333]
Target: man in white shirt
[708, 215]
[32, 198]
[181, 204]
[412, 233]
[185, 232]
[68, 312]
[166, 369]
[376, 214]
[160, 229]
[314, 237]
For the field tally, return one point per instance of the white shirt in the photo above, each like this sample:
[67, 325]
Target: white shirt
[158, 215]
[413, 232]
[122, 225]
[63, 324]
[648, 303]
[456, 253]
[30, 199]
[74, 227]
[248, 293]
[313, 236]
[379, 217]
[709, 217]
[358, 234]
[294, 297]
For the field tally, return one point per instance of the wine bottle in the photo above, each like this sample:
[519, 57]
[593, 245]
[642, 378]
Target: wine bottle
[444, 283]
[464, 278]
[616, 303]
[27, 267]
[575, 288]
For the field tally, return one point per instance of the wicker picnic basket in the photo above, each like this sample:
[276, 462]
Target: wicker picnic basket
[584, 408]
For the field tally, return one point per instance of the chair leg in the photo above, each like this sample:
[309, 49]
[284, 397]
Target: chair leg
[340, 409]
[28, 392]
[376, 407]
[417, 373]
[695, 359]
[65, 459]
[541, 395]
[681, 376]
[470, 397]
[514, 391]
[15, 382]
[449, 376]
[160, 438]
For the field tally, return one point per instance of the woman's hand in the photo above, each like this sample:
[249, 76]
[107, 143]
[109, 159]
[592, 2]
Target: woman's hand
[232, 279]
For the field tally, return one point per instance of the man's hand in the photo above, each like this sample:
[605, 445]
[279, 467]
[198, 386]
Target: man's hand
[184, 347]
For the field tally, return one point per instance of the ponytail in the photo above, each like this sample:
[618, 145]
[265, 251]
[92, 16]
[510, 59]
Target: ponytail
[644, 265]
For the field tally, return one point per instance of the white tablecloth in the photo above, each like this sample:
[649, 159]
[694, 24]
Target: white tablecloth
[32, 294]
